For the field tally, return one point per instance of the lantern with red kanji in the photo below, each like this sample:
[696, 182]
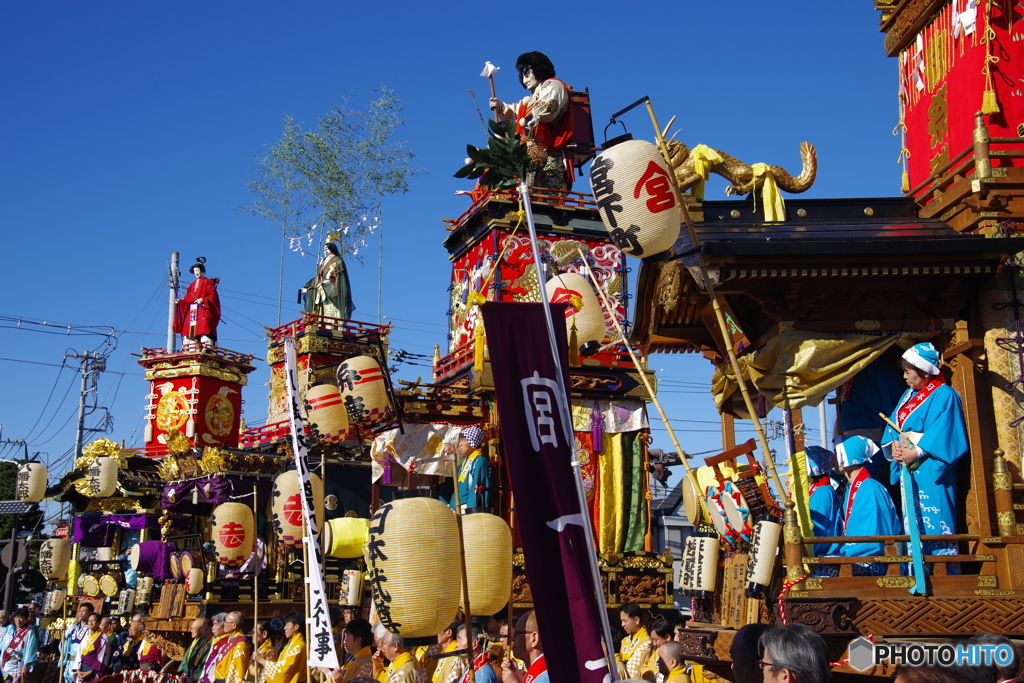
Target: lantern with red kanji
[194, 581]
[583, 310]
[234, 532]
[286, 509]
[326, 413]
[361, 382]
[633, 190]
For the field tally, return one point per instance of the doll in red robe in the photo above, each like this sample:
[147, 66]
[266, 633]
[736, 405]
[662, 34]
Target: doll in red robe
[198, 313]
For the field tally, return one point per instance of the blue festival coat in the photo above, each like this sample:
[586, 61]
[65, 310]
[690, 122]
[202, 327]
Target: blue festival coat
[940, 419]
[873, 514]
[825, 515]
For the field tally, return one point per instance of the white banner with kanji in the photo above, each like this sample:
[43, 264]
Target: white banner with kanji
[320, 645]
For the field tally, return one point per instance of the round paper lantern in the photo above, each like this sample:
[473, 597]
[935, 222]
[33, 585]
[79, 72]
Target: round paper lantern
[30, 486]
[126, 601]
[194, 581]
[55, 600]
[345, 537]
[175, 566]
[326, 413]
[634, 195]
[54, 557]
[489, 575]
[412, 552]
[583, 311]
[761, 559]
[705, 564]
[234, 532]
[287, 507]
[102, 478]
[361, 383]
[144, 590]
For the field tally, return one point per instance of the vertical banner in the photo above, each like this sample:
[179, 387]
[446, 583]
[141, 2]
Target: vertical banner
[539, 456]
[321, 642]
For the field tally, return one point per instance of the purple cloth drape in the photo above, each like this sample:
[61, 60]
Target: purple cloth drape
[217, 489]
[98, 532]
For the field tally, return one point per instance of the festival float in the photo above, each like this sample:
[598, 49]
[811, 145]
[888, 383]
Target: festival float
[792, 300]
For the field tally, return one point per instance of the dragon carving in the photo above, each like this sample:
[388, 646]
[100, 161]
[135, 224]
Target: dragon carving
[740, 174]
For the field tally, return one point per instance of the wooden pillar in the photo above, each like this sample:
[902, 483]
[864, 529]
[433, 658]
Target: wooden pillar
[728, 432]
[797, 420]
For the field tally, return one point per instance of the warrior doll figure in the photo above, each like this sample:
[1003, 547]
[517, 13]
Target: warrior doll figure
[543, 118]
[198, 313]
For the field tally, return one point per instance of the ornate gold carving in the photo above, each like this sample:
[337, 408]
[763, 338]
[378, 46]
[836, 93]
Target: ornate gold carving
[212, 461]
[895, 581]
[987, 581]
[113, 504]
[1006, 520]
[983, 558]
[178, 443]
[168, 469]
[171, 411]
[104, 448]
[1002, 481]
[893, 558]
[220, 415]
[791, 534]
[812, 584]
[995, 593]
[642, 562]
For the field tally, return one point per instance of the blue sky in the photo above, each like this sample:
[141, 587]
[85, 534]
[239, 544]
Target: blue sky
[129, 128]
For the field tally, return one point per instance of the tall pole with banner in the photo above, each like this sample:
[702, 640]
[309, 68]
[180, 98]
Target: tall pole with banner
[320, 645]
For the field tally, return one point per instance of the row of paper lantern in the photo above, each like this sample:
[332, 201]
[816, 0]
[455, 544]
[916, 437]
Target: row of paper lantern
[698, 574]
[101, 476]
[360, 397]
[412, 546]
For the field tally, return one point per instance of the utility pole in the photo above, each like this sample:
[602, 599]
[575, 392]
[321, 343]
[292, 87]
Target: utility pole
[91, 364]
[175, 274]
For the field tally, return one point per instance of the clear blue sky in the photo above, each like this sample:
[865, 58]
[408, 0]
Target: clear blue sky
[128, 128]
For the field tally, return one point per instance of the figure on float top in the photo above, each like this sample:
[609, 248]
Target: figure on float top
[198, 312]
[932, 437]
[329, 293]
[867, 508]
[543, 118]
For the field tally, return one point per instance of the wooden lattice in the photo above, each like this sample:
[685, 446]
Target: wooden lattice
[940, 616]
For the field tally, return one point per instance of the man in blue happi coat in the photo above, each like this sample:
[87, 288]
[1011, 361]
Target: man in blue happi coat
[932, 437]
[474, 478]
[867, 508]
[823, 496]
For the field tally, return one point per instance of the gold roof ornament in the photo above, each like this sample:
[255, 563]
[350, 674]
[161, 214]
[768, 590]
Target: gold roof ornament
[104, 448]
[178, 443]
[213, 461]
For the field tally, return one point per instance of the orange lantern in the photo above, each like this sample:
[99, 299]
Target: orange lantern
[361, 382]
[234, 532]
[634, 194]
[287, 507]
[326, 413]
[583, 310]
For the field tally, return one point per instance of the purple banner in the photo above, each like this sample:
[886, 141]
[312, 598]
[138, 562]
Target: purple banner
[548, 515]
[98, 531]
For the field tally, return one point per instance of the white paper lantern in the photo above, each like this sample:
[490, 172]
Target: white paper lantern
[54, 556]
[326, 413]
[30, 486]
[489, 575]
[194, 581]
[584, 310]
[55, 600]
[687, 566]
[412, 553]
[361, 382]
[705, 565]
[126, 601]
[761, 559]
[234, 532]
[351, 588]
[286, 508]
[102, 478]
[633, 190]
[143, 590]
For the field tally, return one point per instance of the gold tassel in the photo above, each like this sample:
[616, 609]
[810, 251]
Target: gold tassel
[478, 347]
[989, 104]
[905, 187]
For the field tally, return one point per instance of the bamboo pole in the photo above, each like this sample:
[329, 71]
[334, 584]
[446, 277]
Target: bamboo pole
[719, 316]
[462, 567]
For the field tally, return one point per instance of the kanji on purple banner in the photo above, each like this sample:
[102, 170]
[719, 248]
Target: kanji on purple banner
[538, 450]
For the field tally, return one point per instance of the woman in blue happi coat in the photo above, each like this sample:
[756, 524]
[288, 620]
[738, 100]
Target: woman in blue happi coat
[867, 508]
[934, 437]
[823, 496]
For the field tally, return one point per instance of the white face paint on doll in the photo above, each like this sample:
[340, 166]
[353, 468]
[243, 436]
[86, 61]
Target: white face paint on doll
[529, 80]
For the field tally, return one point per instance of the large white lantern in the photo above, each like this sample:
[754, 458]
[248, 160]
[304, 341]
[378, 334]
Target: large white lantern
[489, 575]
[234, 532]
[102, 477]
[412, 553]
[30, 486]
[761, 561]
[289, 521]
[54, 557]
[583, 310]
[634, 195]
[361, 382]
[326, 413]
